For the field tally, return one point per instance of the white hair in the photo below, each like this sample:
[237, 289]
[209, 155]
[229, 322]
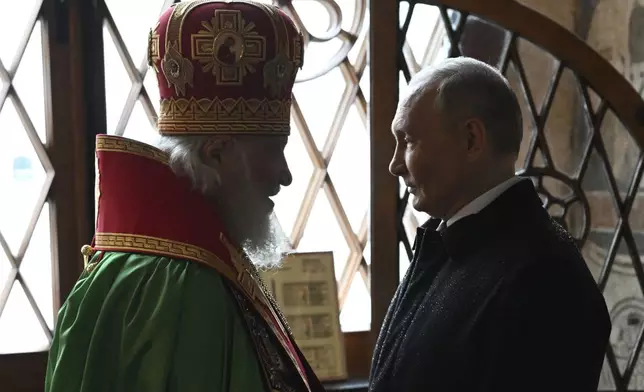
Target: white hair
[466, 87]
[186, 160]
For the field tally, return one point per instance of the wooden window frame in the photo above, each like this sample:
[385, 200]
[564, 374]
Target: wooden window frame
[65, 73]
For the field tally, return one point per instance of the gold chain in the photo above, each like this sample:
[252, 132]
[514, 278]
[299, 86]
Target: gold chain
[270, 297]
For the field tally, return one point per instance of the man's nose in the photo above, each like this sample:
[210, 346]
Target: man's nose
[286, 178]
[397, 166]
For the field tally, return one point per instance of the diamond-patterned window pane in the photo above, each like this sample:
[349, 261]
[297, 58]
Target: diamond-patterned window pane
[26, 298]
[151, 86]
[117, 82]
[349, 165]
[20, 330]
[145, 13]
[29, 82]
[22, 15]
[139, 126]
[623, 288]
[327, 88]
[621, 149]
[355, 314]
[567, 127]
[587, 169]
[290, 198]
[325, 208]
[132, 98]
[26, 173]
[364, 84]
[36, 270]
[323, 233]
[23, 177]
[542, 66]
[420, 48]
[331, 119]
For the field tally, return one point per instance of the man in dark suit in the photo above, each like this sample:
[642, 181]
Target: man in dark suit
[498, 297]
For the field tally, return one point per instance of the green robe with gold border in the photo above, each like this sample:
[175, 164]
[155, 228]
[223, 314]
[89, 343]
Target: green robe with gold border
[166, 303]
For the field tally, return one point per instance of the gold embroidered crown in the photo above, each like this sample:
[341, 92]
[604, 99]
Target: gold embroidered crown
[225, 67]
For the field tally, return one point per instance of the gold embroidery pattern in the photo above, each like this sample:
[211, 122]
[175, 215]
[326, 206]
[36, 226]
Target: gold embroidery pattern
[249, 279]
[228, 47]
[178, 16]
[181, 115]
[278, 74]
[278, 376]
[269, 10]
[298, 49]
[117, 144]
[280, 68]
[134, 242]
[154, 51]
[247, 275]
[97, 187]
[281, 43]
[177, 69]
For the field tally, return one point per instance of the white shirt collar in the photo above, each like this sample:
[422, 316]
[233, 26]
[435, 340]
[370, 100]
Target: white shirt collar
[476, 205]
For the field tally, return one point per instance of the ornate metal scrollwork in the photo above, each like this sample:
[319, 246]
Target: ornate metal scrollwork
[575, 221]
[334, 31]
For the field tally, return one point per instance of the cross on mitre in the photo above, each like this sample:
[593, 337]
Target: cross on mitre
[228, 47]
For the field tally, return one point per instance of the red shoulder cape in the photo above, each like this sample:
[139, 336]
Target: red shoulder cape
[143, 207]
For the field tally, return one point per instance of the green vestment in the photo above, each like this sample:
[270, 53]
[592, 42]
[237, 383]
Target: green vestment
[151, 324]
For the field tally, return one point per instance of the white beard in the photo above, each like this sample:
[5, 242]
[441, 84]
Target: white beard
[268, 247]
[260, 236]
[244, 215]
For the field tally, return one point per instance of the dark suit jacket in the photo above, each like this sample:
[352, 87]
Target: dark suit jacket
[500, 301]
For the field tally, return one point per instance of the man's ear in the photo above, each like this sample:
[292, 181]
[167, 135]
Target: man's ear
[215, 147]
[476, 137]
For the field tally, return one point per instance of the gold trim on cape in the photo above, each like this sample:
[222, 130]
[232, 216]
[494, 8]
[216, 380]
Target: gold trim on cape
[118, 144]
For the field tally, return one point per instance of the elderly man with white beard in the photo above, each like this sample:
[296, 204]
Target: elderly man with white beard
[171, 299]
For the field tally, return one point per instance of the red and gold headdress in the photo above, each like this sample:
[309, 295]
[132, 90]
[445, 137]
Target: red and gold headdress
[225, 67]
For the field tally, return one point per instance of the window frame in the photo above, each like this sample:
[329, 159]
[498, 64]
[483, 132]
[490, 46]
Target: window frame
[65, 71]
